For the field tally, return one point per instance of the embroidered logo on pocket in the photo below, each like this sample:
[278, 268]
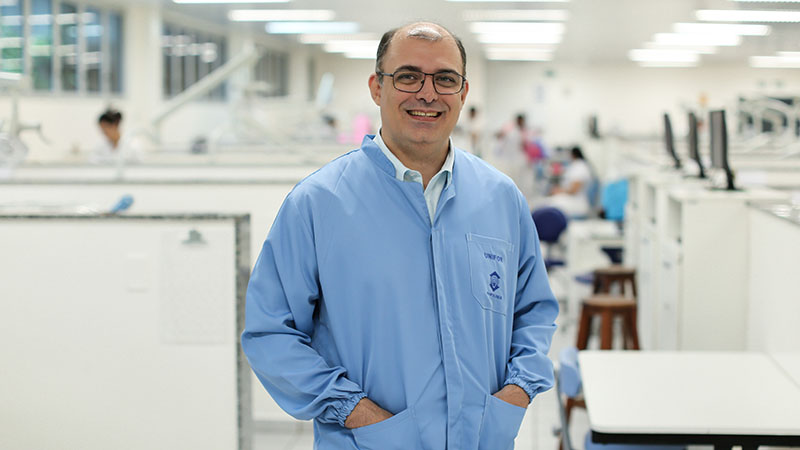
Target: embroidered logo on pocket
[494, 281]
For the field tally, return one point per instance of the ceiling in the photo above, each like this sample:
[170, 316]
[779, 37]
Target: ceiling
[597, 31]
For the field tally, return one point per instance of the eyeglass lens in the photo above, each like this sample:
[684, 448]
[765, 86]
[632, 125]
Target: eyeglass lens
[412, 81]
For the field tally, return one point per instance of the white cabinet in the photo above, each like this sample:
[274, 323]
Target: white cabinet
[703, 283]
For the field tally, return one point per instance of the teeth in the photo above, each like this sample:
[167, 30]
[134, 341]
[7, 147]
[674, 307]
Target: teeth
[423, 114]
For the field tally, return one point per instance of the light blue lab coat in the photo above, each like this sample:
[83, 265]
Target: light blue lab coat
[355, 293]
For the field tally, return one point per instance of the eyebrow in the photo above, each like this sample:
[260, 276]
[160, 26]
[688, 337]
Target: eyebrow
[417, 69]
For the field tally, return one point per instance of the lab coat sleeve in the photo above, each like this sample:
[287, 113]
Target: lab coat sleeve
[535, 311]
[281, 298]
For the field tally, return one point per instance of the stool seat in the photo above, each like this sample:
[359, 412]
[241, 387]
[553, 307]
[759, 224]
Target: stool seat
[603, 301]
[616, 269]
[605, 277]
[607, 307]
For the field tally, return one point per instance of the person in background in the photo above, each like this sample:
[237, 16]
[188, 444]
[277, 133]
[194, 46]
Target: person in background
[400, 299]
[570, 195]
[115, 145]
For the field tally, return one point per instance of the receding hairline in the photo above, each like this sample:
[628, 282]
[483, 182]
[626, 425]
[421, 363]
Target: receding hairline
[429, 31]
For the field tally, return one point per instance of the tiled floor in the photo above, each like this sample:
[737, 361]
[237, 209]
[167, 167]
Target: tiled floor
[536, 432]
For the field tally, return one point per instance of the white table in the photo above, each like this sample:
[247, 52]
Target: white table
[790, 364]
[718, 398]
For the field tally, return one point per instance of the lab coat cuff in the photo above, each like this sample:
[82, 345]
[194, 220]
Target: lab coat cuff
[525, 385]
[345, 406]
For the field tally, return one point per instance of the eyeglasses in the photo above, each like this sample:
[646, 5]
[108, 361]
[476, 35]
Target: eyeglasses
[411, 81]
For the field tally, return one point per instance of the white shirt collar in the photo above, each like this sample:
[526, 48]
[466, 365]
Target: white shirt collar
[401, 169]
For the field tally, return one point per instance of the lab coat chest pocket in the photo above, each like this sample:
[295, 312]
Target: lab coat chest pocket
[489, 271]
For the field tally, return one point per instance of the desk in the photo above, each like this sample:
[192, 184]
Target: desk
[718, 398]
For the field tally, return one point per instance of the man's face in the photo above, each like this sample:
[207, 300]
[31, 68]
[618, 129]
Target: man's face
[422, 120]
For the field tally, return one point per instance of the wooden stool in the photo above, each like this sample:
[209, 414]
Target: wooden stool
[604, 278]
[607, 307]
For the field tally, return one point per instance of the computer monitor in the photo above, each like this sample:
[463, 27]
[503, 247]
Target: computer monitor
[670, 141]
[719, 145]
[694, 145]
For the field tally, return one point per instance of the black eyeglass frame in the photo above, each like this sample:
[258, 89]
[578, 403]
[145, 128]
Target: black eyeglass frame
[424, 77]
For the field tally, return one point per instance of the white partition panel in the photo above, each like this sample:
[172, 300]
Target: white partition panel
[122, 333]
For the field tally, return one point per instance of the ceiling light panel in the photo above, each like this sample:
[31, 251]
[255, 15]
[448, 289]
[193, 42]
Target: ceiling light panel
[509, 38]
[652, 55]
[697, 39]
[775, 62]
[517, 27]
[668, 64]
[510, 1]
[722, 28]
[323, 38]
[702, 49]
[280, 15]
[741, 15]
[228, 1]
[311, 27]
[354, 46]
[552, 15]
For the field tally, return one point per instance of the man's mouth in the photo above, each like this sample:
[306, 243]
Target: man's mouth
[417, 113]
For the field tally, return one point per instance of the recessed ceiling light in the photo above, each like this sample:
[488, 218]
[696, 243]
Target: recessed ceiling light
[323, 38]
[657, 55]
[667, 64]
[775, 62]
[231, 1]
[516, 27]
[702, 49]
[280, 15]
[697, 39]
[552, 15]
[508, 38]
[510, 1]
[519, 54]
[345, 46]
[311, 27]
[741, 15]
[722, 28]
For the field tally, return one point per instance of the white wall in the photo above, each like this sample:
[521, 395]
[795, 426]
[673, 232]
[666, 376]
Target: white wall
[628, 99]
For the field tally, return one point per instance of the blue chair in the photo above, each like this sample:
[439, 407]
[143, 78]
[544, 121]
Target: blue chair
[550, 223]
[569, 386]
[613, 199]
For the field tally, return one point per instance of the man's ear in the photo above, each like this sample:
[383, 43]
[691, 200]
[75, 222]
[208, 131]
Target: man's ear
[375, 88]
[464, 92]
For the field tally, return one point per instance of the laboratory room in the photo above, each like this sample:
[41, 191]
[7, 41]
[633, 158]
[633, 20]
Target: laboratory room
[240, 225]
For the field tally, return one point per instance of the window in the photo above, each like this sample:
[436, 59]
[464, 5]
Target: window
[273, 69]
[189, 55]
[11, 39]
[65, 46]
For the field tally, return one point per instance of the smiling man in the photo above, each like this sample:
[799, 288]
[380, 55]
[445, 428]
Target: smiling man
[400, 299]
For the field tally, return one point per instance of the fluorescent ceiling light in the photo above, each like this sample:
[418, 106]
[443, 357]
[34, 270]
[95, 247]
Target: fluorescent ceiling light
[510, 1]
[651, 55]
[523, 47]
[668, 64]
[517, 27]
[697, 39]
[775, 62]
[552, 15]
[230, 1]
[702, 49]
[323, 38]
[345, 46]
[508, 38]
[741, 15]
[789, 54]
[722, 28]
[311, 27]
[510, 54]
[280, 15]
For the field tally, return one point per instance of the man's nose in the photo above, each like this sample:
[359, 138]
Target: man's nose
[428, 92]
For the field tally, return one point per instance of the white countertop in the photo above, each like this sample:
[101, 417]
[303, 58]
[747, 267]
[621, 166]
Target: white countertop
[689, 393]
